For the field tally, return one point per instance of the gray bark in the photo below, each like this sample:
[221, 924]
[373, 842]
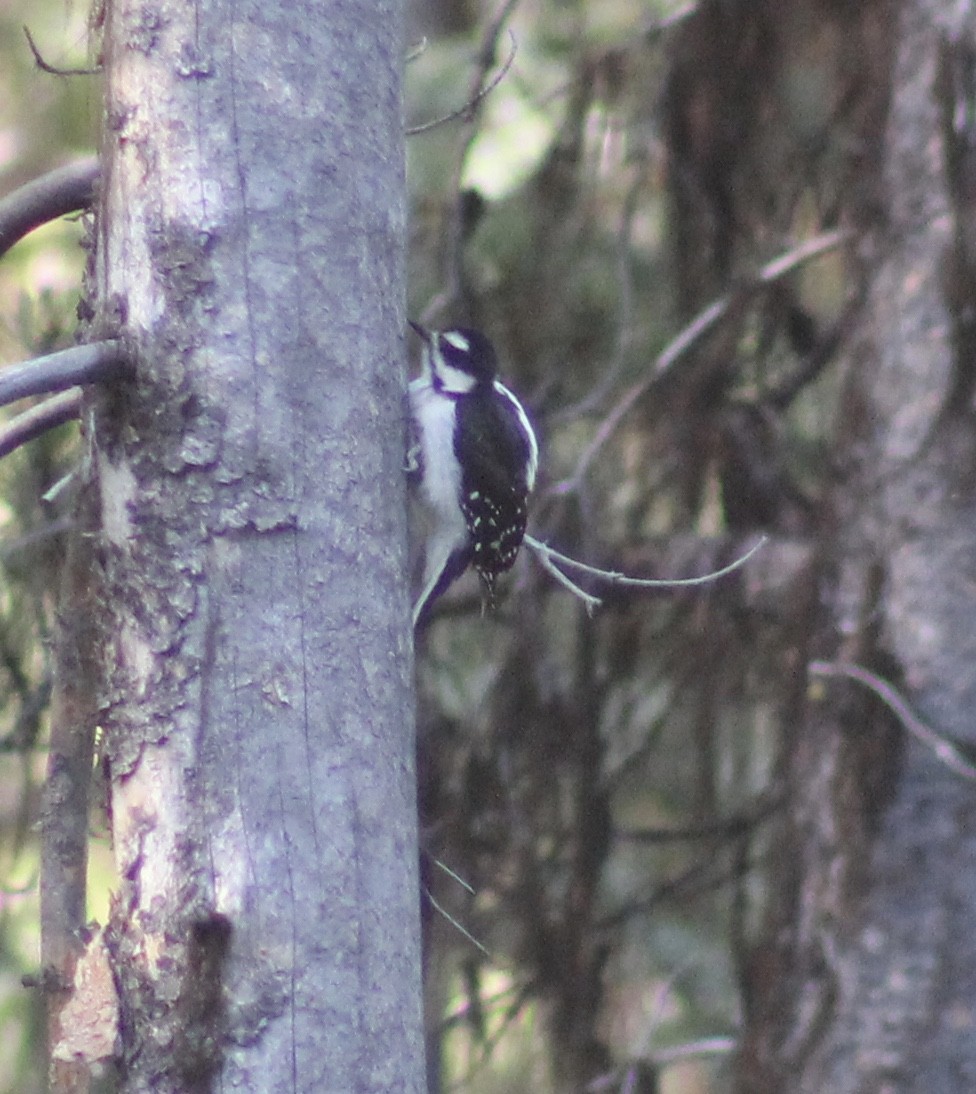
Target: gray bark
[907, 973]
[257, 654]
[866, 981]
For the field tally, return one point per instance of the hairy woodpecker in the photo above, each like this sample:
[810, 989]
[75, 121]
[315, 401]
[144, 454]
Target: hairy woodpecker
[473, 457]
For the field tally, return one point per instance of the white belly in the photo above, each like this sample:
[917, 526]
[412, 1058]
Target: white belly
[440, 486]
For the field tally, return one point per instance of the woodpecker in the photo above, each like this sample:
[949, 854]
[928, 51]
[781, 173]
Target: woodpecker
[473, 460]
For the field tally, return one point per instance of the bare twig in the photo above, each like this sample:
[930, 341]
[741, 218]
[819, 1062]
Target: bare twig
[417, 51]
[55, 194]
[701, 325]
[454, 279]
[669, 21]
[544, 554]
[644, 36]
[467, 111]
[705, 1046]
[491, 1043]
[90, 364]
[702, 877]
[944, 750]
[462, 1012]
[729, 827]
[453, 876]
[550, 559]
[45, 67]
[625, 1080]
[623, 322]
[39, 419]
[29, 541]
[460, 928]
[616, 578]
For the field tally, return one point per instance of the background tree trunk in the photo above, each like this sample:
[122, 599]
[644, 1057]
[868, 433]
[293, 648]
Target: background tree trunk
[867, 976]
[256, 693]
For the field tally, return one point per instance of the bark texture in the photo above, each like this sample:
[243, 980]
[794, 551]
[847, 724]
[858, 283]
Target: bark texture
[257, 659]
[866, 978]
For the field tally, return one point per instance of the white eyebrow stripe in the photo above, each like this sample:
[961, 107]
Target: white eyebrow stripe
[457, 340]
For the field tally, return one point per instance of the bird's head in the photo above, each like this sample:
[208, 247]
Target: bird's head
[459, 359]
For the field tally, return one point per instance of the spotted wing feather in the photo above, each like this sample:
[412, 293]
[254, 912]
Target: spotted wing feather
[494, 453]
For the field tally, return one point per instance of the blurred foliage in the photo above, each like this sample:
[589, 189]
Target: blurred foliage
[45, 121]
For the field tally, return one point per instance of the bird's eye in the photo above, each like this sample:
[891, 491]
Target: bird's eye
[455, 358]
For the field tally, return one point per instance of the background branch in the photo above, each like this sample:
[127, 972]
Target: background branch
[692, 334]
[59, 192]
[53, 70]
[89, 364]
[944, 749]
[39, 419]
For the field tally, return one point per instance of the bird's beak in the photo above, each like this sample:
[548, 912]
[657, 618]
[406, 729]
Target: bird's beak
[422, 331]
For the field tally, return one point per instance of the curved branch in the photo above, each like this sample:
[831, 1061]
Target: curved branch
[55, 194]
[467, 111]
[454, 225]
[692, 334]
[45, 66]
[39, 419]
[944, 750]
[550, 560]
[90, 364]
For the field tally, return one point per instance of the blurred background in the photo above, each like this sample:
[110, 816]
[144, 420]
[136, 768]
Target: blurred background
[45, 121]
[599, 792]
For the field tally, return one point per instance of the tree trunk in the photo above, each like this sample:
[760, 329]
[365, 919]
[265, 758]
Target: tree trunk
[866, 978]
[256, 653]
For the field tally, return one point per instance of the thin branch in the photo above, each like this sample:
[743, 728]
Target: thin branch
[89, 364]
[453, 876]
[544, 554]
[730, 827]
[417, 51]
[454, 225]
[698, 879]
[641, 39]
[781, 397]
[944, 749]
[492, 1042]
[617, 578]
[669, 21]
[624, 1080]
[39, 419]
[467, 111]
[55, 194]
[624, 323]
[705, 1046]
[692, 334]
[460, 928]
[462, 1012]
[489, 43]
[37, 536]
[549, 557]
[45, 67]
